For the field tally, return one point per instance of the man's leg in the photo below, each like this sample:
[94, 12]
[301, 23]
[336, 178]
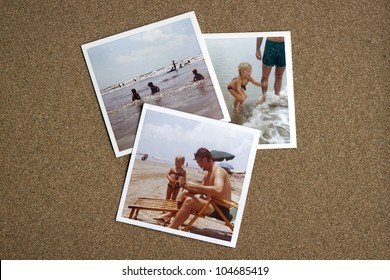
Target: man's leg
[189, 204]
[279, 71]
[166, 217]
[264, 81]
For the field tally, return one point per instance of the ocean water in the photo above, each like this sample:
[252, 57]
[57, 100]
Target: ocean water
[270, 117]
[177, 91]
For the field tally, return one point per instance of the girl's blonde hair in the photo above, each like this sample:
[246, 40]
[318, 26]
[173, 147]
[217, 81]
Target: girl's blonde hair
[181, 158]
[242, 66]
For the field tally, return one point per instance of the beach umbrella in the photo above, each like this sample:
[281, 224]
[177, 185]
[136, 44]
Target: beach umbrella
[221, 155]
[225, 164]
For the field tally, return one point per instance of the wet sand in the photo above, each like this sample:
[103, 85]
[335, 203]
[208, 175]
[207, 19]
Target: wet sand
[149, 180]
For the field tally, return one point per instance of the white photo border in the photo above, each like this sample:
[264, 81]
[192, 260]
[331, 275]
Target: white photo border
[289, 76]
[189, 15]
[251, 159]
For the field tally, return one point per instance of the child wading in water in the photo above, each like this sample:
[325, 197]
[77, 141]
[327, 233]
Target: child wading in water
[135, 96]
[237, 86]
[197, 76]
[153, 88]
[174, 175]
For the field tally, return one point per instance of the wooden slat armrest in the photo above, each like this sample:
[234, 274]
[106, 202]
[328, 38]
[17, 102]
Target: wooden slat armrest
[227, 202]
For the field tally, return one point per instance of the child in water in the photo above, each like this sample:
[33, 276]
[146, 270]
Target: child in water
[197, 76]
[135, 95]
[153, 88]
[174, 175]
[237, 86]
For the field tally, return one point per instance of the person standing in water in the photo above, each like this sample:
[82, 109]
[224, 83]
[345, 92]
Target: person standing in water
[274, 55]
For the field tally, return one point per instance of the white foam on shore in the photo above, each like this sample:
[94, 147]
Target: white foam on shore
[152, 74]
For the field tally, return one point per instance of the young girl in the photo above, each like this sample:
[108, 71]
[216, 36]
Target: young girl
[237, 86]
[173, 178]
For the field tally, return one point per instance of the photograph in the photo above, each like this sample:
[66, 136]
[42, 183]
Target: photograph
[188, 175]
[164, 63]
[254, 71]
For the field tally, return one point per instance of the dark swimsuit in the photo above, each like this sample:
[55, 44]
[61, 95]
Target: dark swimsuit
[177, 175]
[243, 86]
[274, 54]
[224, 211]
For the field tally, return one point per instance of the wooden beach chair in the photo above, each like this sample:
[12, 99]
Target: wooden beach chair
[157, 204]
[153, 204]
[213, 201]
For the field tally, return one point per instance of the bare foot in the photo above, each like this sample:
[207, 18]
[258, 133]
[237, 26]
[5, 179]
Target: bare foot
[163, 218]
[262, 98]
[277, 94]
[235, 108]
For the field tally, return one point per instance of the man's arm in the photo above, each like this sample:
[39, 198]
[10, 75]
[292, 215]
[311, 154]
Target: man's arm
[214, 190]
[259, 41]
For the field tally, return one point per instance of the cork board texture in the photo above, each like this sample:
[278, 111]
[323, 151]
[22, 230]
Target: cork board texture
[61, 183]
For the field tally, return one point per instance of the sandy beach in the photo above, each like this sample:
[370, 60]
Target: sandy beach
[149, 180]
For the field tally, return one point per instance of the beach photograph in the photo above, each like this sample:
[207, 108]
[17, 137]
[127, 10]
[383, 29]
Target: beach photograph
[165, 63]
[188, 175]
[255, 76]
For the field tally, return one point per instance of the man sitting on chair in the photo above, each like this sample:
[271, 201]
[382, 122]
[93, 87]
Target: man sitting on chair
[194, 196]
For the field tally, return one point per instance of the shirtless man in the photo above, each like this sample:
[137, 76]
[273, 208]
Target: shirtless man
[215, 183]
[274, 55]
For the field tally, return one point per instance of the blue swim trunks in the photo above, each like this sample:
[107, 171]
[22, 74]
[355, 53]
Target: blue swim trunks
[274, 54]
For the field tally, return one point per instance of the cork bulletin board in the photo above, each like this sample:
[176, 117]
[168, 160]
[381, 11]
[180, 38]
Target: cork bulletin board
[61, 182]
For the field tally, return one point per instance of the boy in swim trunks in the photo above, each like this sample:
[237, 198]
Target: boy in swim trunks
[173, 177]
[197, 76]
[274, 55]
[237, 86]
[135, 96]
[153, 88]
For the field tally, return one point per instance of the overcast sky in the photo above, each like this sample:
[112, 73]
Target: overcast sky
[136, 54]
[165, 136]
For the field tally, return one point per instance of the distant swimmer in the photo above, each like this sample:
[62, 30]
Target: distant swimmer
[153, 88]
[174, 65]
[197, 76]
[188, 62]
[136, 96]
[237, 86]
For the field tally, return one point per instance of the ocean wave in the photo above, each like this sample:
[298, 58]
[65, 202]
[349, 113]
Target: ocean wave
[151, 74]
[272, 119]
[136, 103]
